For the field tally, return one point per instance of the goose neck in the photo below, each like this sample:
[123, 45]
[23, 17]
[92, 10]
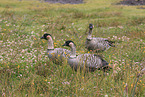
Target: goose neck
[50, 44]
[90, 34]
[73, 51]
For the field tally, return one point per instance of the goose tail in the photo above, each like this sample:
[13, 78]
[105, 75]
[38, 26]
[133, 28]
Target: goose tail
[111, 43]
[105, 65]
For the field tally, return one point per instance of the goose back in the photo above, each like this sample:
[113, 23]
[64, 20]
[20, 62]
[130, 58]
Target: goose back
[97, 44]
[87, 62]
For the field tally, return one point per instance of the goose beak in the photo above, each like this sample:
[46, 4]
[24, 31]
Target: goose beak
[91, 27]
[42, 37]
[64, 44]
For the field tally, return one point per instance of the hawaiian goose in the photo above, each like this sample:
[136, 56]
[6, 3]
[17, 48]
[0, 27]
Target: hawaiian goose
[55, 54]
[87, 62]
[97, 44]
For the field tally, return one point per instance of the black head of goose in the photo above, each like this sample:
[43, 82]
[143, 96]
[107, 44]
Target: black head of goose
[87, 62]
[57, 55]
[97, 44]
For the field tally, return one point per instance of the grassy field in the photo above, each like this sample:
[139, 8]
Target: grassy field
[25, 69]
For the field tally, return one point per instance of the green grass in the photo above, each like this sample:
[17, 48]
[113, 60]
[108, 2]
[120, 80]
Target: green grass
[25, 69]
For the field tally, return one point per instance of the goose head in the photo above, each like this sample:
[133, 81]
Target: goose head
[68, 43]
[46, 36]
[71, 44]
[91, 26]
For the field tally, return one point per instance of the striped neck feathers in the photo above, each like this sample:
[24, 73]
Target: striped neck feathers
[73, 50]
[90, 34]
[50, 43]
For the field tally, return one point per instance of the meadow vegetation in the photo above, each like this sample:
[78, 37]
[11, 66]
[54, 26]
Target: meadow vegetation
[25, 69]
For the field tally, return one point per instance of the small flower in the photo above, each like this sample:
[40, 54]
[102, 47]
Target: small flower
[55, 43]
[106, 95]
[2, 33]
[53, 54]
[32, 32]
[131, 76]
[7, 24]
[34, 38]
[43, 41]
[66, 82]
[18, 66]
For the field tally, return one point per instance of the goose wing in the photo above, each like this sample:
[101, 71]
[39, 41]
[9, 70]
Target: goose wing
[90, 61]
[104, 41]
